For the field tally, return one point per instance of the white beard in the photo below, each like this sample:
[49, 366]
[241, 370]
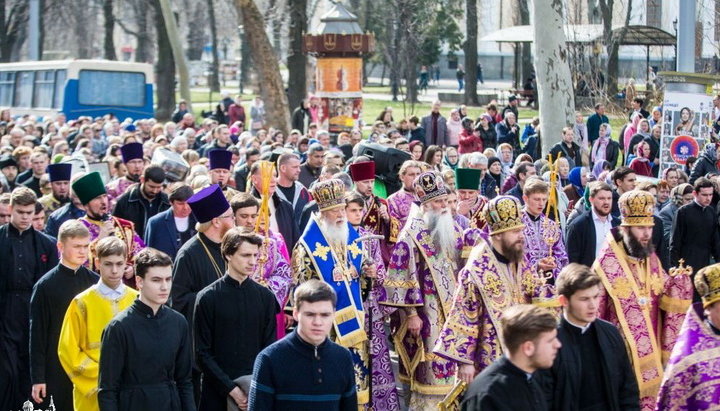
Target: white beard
[335, 234]
[442, 232]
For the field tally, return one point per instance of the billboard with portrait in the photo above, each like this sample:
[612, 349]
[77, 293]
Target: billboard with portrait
[685, 129]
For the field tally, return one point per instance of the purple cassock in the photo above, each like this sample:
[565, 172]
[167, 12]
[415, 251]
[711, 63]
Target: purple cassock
[399, 204]
[691, 376]
[543, 238]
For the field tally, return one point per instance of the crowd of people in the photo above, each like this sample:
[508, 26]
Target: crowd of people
[267, 271]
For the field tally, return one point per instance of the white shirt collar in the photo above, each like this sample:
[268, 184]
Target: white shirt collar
[596, 217]
[583, 329]
[109, 292]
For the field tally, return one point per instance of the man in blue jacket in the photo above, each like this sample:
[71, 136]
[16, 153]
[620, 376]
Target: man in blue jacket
[170, 229]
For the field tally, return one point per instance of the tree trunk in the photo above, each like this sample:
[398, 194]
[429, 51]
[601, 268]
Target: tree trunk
[4, 38]
[471, 53]
[554, 81]
[525, 48]
[296, 60]
[168, 32]
[276, 24]
[142, 52]
[164, 67]
[215, 65]
[266, 65]
[409, 46]
[82, 36]
[109, 42]
[41, 36]
[246, 62]
[196, 34]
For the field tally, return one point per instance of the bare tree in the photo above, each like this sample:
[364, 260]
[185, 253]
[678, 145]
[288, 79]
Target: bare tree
[141, 13]
[296, 60]
[525, 48]
[13, 23]
[215, 65]
[196, 36]
[169, 38]
[165, 65]
[612, 43]
[471, 52]
[109, 26]
[555, 88]
[266, 66]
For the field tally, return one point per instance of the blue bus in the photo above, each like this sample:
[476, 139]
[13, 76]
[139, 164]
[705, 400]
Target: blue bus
[77, 88]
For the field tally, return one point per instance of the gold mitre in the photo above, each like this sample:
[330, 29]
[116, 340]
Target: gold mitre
[329, 194]
[503, 213]
[707, 284]
[637, 208]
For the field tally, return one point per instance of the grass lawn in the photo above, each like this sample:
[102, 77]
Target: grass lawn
[373, 107]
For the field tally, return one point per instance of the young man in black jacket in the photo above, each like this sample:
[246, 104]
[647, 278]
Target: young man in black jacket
[592, 371]
[529, 337]
[143, 201]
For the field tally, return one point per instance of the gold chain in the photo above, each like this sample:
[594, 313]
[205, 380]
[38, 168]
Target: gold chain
[212, 260]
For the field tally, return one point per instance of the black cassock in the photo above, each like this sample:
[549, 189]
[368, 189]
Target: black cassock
[194, 270]
[233, 323]
[503, 386]
[695, 236]
[145, 361]
[50, 298]
[24, 258]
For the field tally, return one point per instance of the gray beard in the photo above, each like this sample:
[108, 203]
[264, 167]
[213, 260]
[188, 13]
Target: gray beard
[441, 232]
[335, 234]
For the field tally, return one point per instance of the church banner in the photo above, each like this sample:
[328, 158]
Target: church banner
[685, 129]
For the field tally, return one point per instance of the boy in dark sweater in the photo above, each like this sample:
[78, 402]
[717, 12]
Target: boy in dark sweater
[306, 370]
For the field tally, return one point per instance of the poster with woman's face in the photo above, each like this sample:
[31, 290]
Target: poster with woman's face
[685, 122]
[685, 127]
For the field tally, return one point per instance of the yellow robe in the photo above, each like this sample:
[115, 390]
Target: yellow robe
[79, 346]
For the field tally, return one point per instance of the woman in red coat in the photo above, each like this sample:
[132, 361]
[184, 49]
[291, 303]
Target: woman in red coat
[469, 139]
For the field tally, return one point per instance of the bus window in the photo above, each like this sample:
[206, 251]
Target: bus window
[60, 77]
[44, 87]
[111, 88]
[7, 81]
[23, 89]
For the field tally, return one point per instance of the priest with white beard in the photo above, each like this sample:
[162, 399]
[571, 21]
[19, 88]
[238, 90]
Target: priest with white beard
[420, 282]
[330, 250]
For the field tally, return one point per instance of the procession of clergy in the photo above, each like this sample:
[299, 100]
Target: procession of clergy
[408, 278]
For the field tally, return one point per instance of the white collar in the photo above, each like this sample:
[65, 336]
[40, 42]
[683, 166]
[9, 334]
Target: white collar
[596, 217]
[583, 329]
[104, 289]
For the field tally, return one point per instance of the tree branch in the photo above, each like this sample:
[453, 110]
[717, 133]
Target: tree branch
[126, 29]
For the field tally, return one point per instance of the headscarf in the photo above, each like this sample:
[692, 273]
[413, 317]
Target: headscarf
[586, 198]
[599, 167]
[631, 130]
[497, 177]
[709, 152]
[667, 170]
[647, 133]
[641, 153]
[575, 178]
[447, 162]
[677, 193]
[599, 149]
